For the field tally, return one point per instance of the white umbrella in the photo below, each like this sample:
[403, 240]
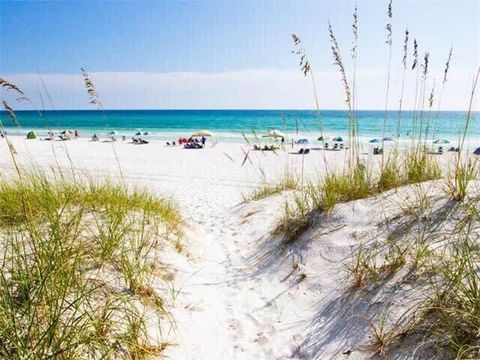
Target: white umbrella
[202, 133]
[274, 134]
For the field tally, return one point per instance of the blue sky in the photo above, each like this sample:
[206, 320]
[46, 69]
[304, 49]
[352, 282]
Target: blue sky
[236, 41]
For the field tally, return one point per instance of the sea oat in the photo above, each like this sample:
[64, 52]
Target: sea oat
[11, 114]
[91, 90]
[95, 101]
[304, 63]
[10, 86]
[425, 65]
[405, 49]
[447, 65]
[338, 61]
[415, 54]
[355, 33]
[389, 24]
[430, 98]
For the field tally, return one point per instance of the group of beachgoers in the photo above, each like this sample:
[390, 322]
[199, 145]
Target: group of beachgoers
[337, 143]
[190, 143]
[63, 135]
[199, 139]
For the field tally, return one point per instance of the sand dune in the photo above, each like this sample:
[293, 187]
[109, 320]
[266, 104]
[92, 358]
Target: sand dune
[238, 294]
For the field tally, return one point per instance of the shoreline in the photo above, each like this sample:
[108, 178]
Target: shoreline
[239, 138]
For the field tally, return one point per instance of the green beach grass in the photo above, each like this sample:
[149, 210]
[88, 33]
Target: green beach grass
[77, 263]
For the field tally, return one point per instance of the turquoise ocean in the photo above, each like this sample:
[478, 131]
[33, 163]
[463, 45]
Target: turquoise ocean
[228, 125]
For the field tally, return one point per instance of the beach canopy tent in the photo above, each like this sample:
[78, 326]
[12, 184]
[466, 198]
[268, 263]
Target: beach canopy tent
[477, 151]
[274, 133]
[302, 142]
[202, 133]
[441, 141]
[31, 135]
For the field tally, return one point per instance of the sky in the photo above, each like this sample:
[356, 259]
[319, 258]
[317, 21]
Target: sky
[230, 54]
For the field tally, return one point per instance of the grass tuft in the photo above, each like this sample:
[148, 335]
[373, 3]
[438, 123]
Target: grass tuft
[76, 269]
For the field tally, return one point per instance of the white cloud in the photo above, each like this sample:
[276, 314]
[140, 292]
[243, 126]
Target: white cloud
[246, 89]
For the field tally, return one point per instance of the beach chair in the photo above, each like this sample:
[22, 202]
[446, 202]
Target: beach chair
[301, 151]
[306, 151]
[341, 146]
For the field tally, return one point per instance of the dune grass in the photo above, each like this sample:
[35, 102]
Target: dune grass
[288, 182]
[77, 264]
[437, 251]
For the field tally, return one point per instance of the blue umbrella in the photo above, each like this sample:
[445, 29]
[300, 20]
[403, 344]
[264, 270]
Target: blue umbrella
[387, 139]
[302, 142]
[477, 151]
[375, 141]
[337, 139]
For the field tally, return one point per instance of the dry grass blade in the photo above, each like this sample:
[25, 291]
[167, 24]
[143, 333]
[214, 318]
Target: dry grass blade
[246, 153]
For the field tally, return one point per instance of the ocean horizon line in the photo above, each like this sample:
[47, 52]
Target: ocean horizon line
[249, 109]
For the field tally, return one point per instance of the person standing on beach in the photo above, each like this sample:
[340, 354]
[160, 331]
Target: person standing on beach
[204, 140]
[283, 141]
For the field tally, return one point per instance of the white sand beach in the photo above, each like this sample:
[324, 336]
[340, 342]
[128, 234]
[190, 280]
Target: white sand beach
[236, 293]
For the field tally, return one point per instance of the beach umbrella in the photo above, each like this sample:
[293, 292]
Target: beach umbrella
[138, 133]
[375, 141]
[477, 151]
[387, 139]
[202, 133]
[302, 142]
[320, 138]
[113, 132]
[274, 133]
[441, 141]
[337, 139]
